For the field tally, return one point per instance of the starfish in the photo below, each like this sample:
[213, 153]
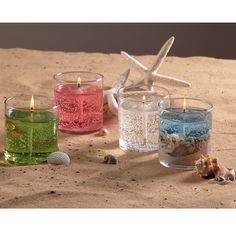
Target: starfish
[150, 75]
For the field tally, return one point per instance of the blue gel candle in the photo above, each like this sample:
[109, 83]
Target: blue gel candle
[184, 132]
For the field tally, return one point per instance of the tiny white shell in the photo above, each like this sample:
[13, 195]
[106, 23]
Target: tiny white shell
[102, 132]
[58, 158]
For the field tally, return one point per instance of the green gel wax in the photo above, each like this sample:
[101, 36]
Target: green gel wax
[29, 136]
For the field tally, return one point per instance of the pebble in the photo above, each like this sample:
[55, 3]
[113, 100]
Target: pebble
[110, 159]
[51, 192]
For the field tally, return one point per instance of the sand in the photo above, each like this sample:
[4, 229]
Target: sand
[138, 181]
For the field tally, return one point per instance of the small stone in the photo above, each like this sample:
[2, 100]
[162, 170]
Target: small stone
[165, 198]
[52, 192]
[133, 179]
[110, 159]
[24, 171]
[77, 172]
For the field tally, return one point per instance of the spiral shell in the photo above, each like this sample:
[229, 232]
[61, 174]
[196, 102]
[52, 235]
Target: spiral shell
[58, 158]
[110, 159]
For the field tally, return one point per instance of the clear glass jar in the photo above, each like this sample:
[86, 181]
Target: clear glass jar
[138, 117]
[79, 95]
[30, 132]
[185, 131]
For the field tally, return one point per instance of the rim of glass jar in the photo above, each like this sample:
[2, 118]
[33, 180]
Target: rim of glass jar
[7, 99]
[57, 75]
[203, 101]
[155, 86]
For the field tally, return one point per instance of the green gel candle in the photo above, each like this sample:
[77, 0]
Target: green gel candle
[30, 135]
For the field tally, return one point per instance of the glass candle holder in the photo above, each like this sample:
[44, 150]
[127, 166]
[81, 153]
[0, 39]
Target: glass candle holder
[138, 117]
[30, 133]
[79, 95]
[185, 131]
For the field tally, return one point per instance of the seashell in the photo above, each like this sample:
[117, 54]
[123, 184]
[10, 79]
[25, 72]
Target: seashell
[102, 132]
[217, 168]
[230, 175]
[110, 103]
[58, 158]
[209, 167]
[110, 159]
[203, 167]
[220, 178]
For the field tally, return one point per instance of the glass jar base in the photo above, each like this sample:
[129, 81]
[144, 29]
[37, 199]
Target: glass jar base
[70, 131]
[174, 166]
[26, 158]
[137, 146]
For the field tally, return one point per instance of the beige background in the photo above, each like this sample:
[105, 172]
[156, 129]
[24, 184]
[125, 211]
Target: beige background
[138, 180]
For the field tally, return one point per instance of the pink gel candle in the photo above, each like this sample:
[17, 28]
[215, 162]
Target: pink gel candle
[80, 99]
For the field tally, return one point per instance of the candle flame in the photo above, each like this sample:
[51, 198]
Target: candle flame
[32, 103]
[184, 105]
[144, 99]
[79, 81]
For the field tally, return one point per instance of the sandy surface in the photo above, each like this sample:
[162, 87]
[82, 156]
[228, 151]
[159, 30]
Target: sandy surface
[138, 180]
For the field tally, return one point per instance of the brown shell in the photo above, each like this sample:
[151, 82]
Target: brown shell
[210, 167]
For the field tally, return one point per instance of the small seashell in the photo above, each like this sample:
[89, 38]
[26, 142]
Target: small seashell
[217, 168]
[58, 158]
[110, 159]
[102, 132]
[220, 178]
[230, 175]
[203, 167]
[210, 167]
[110, 103]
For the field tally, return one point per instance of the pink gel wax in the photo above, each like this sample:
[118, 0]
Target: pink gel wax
[80, 108]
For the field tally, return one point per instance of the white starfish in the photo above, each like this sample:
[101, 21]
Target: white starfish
[149, 76]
